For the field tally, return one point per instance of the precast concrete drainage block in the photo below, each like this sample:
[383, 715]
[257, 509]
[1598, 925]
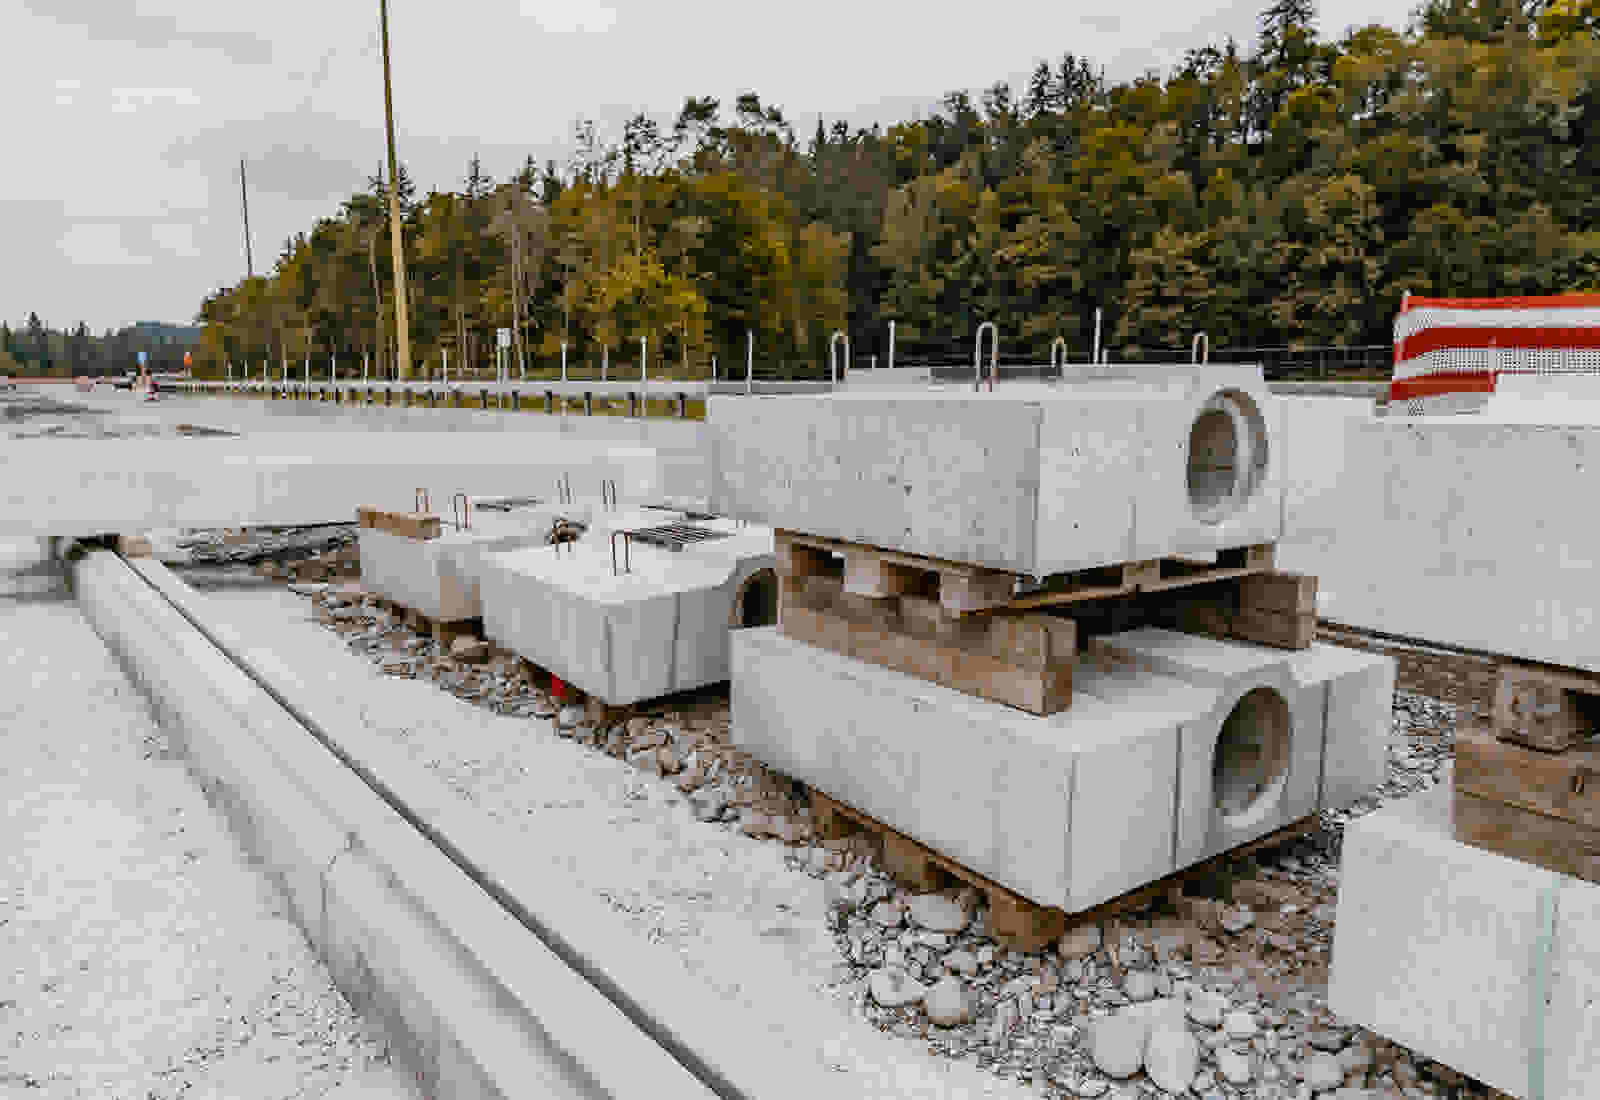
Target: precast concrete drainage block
[756, 603]
[1251, 764]
[1227, 455]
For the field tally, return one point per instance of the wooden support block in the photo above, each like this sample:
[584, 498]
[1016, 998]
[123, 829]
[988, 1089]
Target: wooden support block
[367, 517]
[1021, 925]
[960, 593]
[1273, 628]
[1293, 593]
[908, 862]
[868, 574]
[1563, 785]
[1544, 707]
[1258, 557]
[134, 546]
[1043, 691]
[1549, 842]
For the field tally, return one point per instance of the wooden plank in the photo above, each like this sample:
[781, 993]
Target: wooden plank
[1546, 708]
[1556, 845]
[1293, 593]
[1564, 785]
[1273, 628]
[868, 574]
[1042, 690]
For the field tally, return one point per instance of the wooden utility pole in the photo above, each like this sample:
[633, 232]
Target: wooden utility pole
[402, 311]
[244, 198]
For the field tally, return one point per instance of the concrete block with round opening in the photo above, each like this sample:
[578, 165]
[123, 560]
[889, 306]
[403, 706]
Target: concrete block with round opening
[1030, 478]
[1175, 749]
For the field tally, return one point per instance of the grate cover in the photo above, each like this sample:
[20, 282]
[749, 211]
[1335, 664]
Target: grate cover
[675, 536]
[505, 504]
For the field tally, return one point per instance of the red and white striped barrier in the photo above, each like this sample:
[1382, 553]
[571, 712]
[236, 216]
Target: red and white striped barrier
[1449, 352]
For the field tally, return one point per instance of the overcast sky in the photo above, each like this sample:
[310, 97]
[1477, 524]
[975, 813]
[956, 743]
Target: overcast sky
[125, 121]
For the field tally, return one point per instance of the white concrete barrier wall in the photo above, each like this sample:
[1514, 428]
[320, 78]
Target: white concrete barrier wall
[476, 1003]
[1463, 531]
[1477, 960]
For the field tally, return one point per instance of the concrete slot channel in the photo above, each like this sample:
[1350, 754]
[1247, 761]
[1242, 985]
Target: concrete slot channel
[491, 983]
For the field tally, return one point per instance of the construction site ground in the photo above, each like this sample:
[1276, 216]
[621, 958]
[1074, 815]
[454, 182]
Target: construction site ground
[711, 857]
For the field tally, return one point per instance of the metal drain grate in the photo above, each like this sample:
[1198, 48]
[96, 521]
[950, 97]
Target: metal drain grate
[505, 504]
[675, 536]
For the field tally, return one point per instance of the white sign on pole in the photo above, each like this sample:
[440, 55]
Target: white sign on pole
[505, 337]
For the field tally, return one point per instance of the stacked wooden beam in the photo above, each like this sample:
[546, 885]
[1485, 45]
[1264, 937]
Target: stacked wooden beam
[964, 627]
[1527, 781]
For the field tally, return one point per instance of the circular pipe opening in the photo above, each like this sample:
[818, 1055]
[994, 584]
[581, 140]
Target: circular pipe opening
[757, 601]
[1227, 457]
[1251, 762]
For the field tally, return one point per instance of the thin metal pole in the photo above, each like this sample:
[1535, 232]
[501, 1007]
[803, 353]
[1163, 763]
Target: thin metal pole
[644, 375]
[749, 361]
[605, 362]
[1094, 355]
[363, 366]
[891, 345]
[402, 315]
[244, 199]
[563, 360]
[833, 363]
[446, 353]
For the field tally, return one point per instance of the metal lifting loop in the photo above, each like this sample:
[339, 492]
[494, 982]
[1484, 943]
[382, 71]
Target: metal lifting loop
[421, 502]
[461, 511]
[977, 356]
[627, 541]
[833, 363]
[1059, 347]
[608, 494]
[1200, 348]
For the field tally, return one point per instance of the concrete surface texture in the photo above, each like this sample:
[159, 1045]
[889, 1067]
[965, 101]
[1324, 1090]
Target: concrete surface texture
[1174, 748]
[1031, 478]
[630, 621]
[1482, 962]
[439, 577]
[143, 955]
[67, 487]
[677, 443]
[1462, 530]
[701, 931]
[476, 1005]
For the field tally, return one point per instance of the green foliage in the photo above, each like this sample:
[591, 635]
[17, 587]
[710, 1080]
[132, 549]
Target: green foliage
[1285, 195]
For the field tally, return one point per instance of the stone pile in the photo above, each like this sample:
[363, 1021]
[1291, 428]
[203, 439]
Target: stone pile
[1221, 1000]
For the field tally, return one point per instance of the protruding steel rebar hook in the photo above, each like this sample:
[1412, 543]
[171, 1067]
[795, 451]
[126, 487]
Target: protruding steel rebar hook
[461, 511]
[977, 356]
[627, 542]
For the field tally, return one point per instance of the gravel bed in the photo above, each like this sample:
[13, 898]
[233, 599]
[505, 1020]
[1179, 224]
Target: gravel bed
[1235, 981]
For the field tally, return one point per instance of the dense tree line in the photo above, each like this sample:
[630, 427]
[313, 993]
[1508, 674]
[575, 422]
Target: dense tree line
[1287, 195]
[34, 348]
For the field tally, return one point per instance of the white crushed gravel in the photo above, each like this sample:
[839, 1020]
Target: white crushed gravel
[140, 957]
[727, 906]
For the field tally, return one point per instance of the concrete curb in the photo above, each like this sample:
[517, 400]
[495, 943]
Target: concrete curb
[475, 1004]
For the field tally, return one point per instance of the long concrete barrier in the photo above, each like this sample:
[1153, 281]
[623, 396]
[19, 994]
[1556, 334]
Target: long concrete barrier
[477, 1004]
[496, 980]
[90, 486]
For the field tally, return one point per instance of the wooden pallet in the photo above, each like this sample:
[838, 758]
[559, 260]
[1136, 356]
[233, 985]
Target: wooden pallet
[1533, 805]
[443, 631]
[1545, 707]
[959, 626]
[1014, 921]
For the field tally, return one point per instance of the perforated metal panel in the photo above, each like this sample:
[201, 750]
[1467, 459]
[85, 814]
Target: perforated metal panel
[675, 536]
